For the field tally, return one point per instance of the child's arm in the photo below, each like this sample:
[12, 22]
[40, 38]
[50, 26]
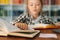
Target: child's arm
[19, 22]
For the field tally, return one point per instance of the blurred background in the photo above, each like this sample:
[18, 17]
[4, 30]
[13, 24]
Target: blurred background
[11, 9]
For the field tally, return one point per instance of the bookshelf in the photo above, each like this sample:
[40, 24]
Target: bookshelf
[52, 8]
[5, 9]
[10, 9]
[18, 7]
[55, 9]
[6, 2]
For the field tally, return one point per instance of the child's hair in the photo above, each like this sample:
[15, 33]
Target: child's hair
[40, 2]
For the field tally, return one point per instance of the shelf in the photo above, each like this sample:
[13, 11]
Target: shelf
[55, 7]
[17, 2]
[15, 7]
[6, 2]
[46, 8]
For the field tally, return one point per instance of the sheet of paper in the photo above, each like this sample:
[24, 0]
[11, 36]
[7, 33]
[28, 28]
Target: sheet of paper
[7, 27]
[43, 35]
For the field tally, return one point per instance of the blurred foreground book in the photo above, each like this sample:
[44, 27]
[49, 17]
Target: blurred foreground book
[7, 28]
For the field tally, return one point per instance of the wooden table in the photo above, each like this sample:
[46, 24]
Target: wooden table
[35, 38]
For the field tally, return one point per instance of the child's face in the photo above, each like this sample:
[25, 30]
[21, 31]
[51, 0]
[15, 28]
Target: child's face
[34, 6]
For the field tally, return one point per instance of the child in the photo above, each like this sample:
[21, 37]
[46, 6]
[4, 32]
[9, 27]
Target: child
[33, 15]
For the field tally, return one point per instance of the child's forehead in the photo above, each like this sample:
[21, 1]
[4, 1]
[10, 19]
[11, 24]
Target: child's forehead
[34, 1]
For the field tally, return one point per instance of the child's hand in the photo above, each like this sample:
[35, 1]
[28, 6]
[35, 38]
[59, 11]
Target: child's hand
[23, 26]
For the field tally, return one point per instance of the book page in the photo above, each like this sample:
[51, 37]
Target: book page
[4, 25]
[3, 33]
[37, 26]
[28, 33]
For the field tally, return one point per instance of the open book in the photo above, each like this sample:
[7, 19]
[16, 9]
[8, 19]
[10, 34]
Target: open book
[7, 28]
[43, 26]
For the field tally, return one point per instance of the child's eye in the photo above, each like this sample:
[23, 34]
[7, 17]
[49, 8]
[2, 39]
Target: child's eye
[37, 4]
[31, 4]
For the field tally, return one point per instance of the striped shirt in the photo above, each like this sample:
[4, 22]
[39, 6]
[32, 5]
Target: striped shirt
[28, 19]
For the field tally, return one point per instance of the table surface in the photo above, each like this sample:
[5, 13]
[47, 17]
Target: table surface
[35, 38]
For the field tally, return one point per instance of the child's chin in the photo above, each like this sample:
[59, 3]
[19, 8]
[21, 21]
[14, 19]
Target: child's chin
[34, 13]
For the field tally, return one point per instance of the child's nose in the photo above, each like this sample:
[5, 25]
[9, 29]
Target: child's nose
[34, 6]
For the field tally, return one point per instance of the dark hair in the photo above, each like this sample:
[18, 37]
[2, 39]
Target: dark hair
[41, 6]
[41, 3]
